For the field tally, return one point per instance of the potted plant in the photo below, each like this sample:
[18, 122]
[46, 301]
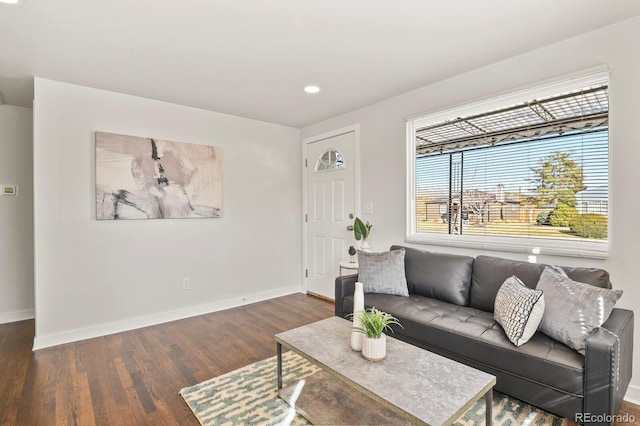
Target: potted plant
[373, 324]
[361, 231]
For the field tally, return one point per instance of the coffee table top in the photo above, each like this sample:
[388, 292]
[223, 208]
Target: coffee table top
[427, 387]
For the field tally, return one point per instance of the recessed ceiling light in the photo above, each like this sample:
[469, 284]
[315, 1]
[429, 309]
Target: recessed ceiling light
[311, 89]
[11, 1]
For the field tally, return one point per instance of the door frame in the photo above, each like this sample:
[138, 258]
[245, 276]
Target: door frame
[355, 128]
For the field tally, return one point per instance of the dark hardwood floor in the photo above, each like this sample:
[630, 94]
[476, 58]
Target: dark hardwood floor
[133, 378]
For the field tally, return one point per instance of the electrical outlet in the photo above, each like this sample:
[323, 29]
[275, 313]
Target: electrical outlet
[9, 190]
[186, 283]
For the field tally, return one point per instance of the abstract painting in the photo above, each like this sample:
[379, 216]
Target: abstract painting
[146, 178]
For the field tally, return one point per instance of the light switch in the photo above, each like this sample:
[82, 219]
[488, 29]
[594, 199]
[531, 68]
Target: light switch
[367, 207]
[10, 190]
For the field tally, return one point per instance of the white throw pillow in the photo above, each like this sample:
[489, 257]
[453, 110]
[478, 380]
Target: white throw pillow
[518, 309]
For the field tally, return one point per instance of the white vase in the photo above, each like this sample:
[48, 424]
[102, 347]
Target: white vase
[374, 349]
[364, 245]
[358, 307]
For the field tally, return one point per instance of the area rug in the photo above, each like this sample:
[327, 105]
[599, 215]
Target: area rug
[248, 396]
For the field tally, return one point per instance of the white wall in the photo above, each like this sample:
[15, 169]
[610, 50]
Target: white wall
[383, 145]
[97, 277]
[16, 214]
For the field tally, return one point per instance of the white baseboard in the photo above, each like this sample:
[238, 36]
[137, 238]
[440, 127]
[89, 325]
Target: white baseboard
[45, 341]
[633, 395]
[14, 316]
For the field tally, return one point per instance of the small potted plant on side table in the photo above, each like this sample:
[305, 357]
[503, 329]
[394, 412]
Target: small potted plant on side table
[373, 324]
[361, 232]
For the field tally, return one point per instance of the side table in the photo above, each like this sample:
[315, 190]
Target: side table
[349, 266]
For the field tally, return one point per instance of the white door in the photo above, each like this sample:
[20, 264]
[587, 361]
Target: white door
[330, 209]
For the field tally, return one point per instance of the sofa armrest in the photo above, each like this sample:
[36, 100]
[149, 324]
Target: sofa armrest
[345, 286]
[608, 361]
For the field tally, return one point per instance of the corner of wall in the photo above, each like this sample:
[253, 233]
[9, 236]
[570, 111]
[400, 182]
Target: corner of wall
[26, 314]
[16, 215]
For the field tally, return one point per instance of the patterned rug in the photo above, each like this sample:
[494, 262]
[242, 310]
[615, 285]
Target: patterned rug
[248, 396]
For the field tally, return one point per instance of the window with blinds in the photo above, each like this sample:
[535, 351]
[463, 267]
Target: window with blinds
[529, 174]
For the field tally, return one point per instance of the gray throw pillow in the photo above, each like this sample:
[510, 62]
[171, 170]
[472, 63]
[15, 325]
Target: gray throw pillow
[573, 309]
[518, 310]
[383, 272]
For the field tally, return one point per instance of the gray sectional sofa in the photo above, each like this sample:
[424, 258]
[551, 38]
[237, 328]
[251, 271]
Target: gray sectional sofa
[449, 311]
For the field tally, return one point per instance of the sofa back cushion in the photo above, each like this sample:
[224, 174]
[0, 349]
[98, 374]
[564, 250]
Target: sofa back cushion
[490, 272]
[445, 277]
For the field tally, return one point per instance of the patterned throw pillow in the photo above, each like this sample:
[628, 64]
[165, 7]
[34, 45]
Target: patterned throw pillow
[518, 309]
[574, 309]
[383, 272]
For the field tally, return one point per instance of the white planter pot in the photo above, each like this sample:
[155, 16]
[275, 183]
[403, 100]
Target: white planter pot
[374, 349]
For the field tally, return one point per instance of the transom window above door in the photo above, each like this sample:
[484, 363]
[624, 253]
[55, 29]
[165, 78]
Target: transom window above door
[329, 160]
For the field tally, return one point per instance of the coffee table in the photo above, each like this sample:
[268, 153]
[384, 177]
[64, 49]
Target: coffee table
[410, 386]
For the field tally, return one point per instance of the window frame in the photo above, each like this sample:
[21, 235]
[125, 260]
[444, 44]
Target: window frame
[531, 245]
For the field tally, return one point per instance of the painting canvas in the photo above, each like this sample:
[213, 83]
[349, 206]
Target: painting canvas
[146, 178]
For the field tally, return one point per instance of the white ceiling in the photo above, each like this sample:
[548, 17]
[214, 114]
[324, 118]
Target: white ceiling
[251, 58]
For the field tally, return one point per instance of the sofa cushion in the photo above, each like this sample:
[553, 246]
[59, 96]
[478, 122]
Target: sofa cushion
[593, 276]
[474, 335]
[518, 310]
[440, 276]
[574, 309]
[490, 272]
[383, 272]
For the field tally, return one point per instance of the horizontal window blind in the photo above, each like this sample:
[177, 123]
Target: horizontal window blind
[497, 191]
[521, 189]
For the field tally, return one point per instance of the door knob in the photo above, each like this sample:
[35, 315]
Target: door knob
[350, 228]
